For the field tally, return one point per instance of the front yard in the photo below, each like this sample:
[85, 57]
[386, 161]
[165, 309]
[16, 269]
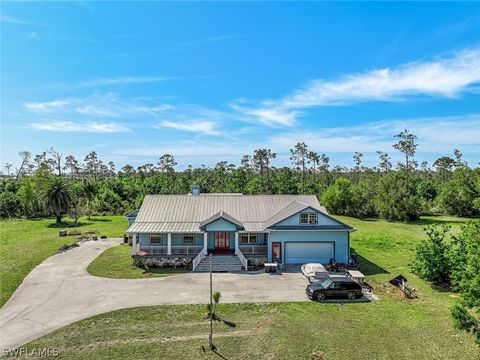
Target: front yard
[391, 328]
[26, 243]
[116, 263]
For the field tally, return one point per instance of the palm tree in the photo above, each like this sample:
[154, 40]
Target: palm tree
[56, 195]
[89, 190]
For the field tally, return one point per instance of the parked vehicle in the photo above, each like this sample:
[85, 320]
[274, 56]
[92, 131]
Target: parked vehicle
[314, 272]
[338, 287]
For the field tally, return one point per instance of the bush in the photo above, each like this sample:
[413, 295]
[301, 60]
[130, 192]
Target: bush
[459, 194]
[465, 320]
[431, 262]
[396, 200]
[339, 197]
[456, 263]
[158, 262]
[10, 205]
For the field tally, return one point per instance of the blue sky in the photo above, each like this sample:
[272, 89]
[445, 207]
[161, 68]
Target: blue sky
[212, 81]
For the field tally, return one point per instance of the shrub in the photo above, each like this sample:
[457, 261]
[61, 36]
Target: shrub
[396, 200]
[10, 205]
[431, 262]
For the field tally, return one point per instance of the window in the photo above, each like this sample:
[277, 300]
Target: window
[188, 239]
[308, 218]
[248, 238]
[156, 239]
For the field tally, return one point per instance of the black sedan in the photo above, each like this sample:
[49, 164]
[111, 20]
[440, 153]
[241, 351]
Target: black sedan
[334, 288]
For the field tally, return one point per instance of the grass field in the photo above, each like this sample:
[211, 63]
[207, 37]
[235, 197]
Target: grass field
[116, 263]
[26, 243]
[391, 328]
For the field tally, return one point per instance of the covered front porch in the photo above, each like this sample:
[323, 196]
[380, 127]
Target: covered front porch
[191, 244]
[219, 234]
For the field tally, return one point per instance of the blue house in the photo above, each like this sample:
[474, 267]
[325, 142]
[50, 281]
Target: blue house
[247, 229]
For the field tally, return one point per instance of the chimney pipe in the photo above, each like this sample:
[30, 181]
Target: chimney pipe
[195, 190]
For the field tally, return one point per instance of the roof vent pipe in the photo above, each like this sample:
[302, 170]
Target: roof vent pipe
[195, 190]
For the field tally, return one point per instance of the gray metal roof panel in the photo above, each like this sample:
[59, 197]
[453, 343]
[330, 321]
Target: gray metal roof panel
[246, 208]
[158, 227]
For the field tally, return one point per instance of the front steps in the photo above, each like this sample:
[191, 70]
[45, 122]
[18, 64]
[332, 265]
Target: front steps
[220, 263]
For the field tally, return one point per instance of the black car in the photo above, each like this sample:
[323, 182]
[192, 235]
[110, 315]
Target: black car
[334, 287]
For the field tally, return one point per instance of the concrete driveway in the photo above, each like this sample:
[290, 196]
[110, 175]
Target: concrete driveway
[60, 291]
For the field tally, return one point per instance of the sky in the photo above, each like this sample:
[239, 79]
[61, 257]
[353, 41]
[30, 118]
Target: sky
[210, 82]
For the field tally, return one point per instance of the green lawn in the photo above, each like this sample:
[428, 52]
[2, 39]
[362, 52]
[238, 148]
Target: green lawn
[391, 328]
[26, 243]
[116, 263]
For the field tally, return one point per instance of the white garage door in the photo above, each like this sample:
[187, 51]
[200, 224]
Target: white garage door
[308, 252]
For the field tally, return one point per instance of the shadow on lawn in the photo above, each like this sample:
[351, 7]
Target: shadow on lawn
[70, 224]
[63, 225]
[437, 221]
[369, 268]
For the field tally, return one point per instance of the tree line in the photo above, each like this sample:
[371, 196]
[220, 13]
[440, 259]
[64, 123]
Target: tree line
[51, 184]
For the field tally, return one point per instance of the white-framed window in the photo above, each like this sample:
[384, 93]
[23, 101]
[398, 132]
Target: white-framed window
[308, 218]
[248, 238]
[156, 239]
[188, 239]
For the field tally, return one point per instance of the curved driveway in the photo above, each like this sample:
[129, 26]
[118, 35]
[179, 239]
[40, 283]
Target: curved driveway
[60, 291]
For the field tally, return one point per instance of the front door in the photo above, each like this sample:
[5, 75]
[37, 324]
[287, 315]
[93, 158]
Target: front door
[221, 241]
[277, 252]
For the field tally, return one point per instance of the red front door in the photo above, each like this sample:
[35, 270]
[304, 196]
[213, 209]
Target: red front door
[221, 241]
[277, 252]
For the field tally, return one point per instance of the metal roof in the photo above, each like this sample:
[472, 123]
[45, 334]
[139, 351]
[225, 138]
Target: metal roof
[185, 213]
[222, 215]
[159, 227]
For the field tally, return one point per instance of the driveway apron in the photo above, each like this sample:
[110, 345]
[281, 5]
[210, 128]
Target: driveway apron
[60, 291]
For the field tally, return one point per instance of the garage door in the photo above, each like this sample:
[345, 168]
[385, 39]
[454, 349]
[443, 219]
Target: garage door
[308, 252]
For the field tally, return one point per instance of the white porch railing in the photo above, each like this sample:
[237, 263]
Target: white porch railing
[242, 258]
[154, 249]
[176, 250]
[201, 255]
[253, 249]
[186, 250]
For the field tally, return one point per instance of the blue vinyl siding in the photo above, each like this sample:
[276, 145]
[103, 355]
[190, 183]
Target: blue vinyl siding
[221, 225]
[131, 220]
[295, 219]
[339, 238]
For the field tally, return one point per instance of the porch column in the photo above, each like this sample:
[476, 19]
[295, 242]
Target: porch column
[205, 241]
[236, 242]
[134, 244]
[169, 244]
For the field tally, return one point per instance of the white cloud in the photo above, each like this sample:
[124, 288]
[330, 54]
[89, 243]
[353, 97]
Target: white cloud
[70, 126]
[125, 80]
[14, 20]
[99, 105]
[47, 105]
[269, 116]
[436, 134]
[199, 127]
[444, 77]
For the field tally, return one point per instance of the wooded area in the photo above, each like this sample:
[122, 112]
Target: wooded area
[51, 184]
